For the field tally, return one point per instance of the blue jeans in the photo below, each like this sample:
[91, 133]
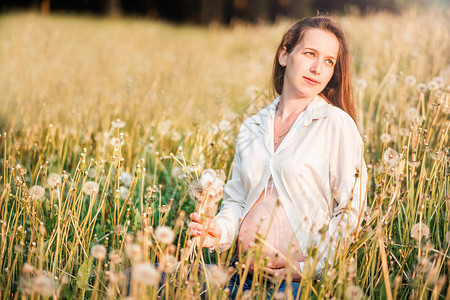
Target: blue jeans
[233, 286]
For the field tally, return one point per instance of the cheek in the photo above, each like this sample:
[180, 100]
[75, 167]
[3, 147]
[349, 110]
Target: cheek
[328, 75]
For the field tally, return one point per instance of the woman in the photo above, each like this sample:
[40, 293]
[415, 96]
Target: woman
[299, 175]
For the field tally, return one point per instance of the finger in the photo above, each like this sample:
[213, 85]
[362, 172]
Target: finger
[269, 271]
[195, 217]
[195, 226]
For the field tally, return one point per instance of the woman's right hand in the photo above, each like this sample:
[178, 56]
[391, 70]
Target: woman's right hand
[211, 230]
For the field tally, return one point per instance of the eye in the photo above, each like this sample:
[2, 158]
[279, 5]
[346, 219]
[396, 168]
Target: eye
[329, 62]
[310, 54]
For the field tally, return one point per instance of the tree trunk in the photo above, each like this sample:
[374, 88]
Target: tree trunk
[113, 8]
[212, 10]
[45, 7]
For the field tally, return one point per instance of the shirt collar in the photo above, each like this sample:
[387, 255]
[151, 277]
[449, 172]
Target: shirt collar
[317, 109]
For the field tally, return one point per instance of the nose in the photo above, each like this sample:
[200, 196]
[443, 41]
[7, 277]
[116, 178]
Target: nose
[316, 67]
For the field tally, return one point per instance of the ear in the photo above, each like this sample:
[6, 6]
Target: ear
[282, 57]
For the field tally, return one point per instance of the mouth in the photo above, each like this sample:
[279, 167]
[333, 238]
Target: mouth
[311, 81]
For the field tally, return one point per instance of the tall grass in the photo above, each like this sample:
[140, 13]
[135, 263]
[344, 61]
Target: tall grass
[74, 177]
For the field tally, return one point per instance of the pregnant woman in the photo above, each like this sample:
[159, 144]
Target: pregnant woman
[299, 176]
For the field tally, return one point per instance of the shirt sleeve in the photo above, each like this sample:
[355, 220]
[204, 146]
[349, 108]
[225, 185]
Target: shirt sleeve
[348, 180]
[232, 205]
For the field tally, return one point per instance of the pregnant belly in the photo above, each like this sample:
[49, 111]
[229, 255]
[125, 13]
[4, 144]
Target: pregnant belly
[266, 224]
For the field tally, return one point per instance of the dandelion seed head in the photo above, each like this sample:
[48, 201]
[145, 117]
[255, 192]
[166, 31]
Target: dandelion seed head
[411, 113]
[53, 180]
[410, 80]
[164, 208]
[164, 235]
[424, 265]
[123, 192]
[175, 136]
[120, 230]
[403, 132]
[177, 172]
[27, 268]
[168, 264]
[116, 142]
[44, 285]
[419, 230]
[440, 81]
[391, 78]
[361, 84]
[390, 157]
[432, 85]
[37, 192]
[354, 292]
[207, 178]
[224, 125]
[413, 164]
[90, 188]
[133, 251]
[146, 274]
[115, 257]
[217, 275]
[126, 178]
[21, 170]
[421, 87]
[214, 129]
[117, 123]
[98, 252]
[385, 138]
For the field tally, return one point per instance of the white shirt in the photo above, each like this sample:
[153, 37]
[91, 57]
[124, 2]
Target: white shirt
[313, 171]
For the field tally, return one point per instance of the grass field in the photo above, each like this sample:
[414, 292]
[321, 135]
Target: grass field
[107, 124]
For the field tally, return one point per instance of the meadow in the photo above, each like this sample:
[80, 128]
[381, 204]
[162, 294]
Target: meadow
[107, 125]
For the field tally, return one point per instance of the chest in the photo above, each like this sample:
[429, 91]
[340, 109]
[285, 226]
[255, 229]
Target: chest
[303, 154]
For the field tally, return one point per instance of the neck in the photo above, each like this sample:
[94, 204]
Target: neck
[289, 106]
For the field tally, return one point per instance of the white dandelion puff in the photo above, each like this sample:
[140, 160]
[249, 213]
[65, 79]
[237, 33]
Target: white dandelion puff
[118, 123]
[98, 252]
[410, 80]
[126, 178]
[217, 275]
[90, 188]
[116, 142]
[123, 191]
[440, 81]
[146, 274]
[413, 164]
[390, 157]
[37, 192]
[164, 235]
[433, 85]
[134, 252]
[385, 138]
[419, 230]
[421, 87]
[168, 264]
[361, 84]
[214, 129]
[44, 285]
[21, 170]
[224, 125]
[411, 113]
[354, 292]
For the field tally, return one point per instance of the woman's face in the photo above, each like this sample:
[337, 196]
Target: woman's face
[310, 65]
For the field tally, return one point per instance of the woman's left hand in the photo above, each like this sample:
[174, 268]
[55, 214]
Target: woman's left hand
[281, 273]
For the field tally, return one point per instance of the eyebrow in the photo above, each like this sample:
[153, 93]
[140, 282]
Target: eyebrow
[315, 50]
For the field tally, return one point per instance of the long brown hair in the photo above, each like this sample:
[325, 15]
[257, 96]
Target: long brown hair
[339, 90]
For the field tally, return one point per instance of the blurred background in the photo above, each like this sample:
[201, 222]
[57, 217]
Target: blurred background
[216, 11]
